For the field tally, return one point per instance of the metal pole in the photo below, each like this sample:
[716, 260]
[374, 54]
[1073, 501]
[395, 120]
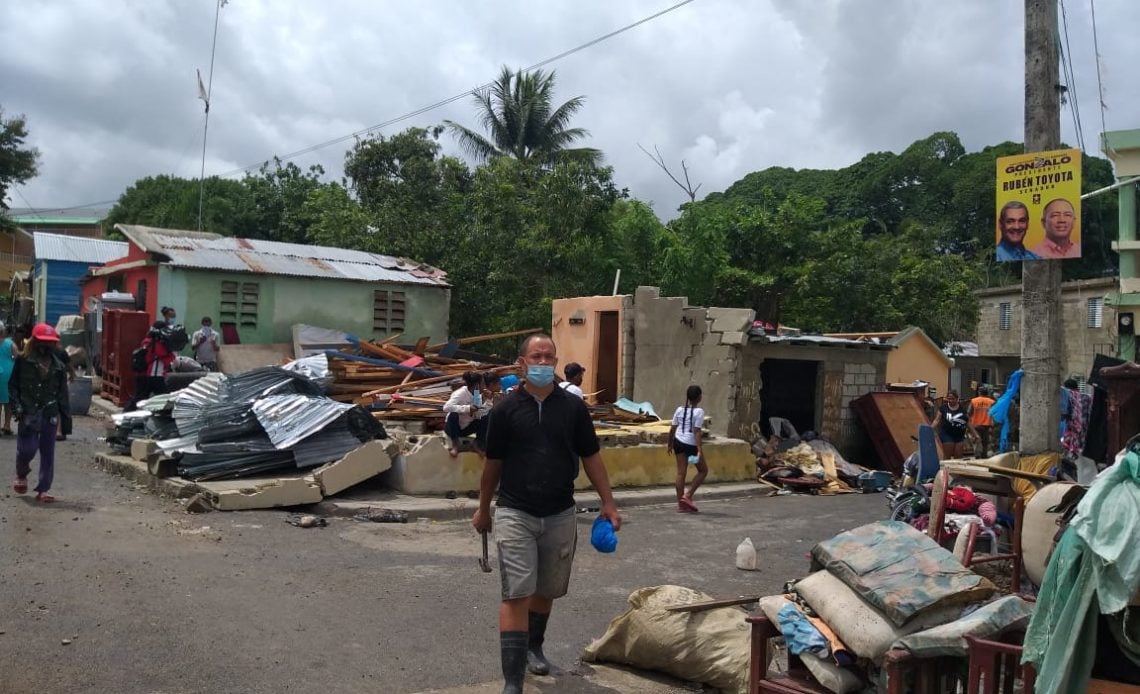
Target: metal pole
[1042, 329]
[206, 127]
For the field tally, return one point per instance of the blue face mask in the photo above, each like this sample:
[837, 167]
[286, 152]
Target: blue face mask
[540, 375]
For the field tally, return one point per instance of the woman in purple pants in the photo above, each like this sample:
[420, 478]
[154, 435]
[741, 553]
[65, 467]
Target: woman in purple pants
[36, 393]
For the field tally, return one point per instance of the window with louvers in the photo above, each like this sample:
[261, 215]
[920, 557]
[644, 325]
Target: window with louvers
[1096, 312]
[388, 311]
[240, 302]
[1005, 315]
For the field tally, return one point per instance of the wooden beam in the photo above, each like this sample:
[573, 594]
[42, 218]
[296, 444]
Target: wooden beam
[484, 338]
[713, 604]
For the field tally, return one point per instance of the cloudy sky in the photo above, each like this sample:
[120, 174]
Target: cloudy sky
[109, 89]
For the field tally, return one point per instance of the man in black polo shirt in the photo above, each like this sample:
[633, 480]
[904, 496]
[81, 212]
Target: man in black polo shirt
[534, 439]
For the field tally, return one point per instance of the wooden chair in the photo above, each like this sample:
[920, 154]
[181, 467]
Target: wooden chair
[982, 482]
[796, 680]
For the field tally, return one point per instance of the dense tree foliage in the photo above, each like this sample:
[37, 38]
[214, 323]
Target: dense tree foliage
[17, 161]
[890, 241]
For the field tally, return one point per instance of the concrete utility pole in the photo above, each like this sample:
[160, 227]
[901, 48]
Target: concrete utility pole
[1042, 331]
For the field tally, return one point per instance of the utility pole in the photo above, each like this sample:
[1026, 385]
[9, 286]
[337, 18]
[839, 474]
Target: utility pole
[1042, 330]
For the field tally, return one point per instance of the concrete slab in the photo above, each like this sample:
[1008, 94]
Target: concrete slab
[733, 338]
[428, 469]
[365, 462]
[143, 449]
[261, 492]
[731, 319]
[137, 472]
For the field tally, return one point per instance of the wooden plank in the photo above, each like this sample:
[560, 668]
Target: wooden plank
[421, 346]
[483, 338]
[713, 604]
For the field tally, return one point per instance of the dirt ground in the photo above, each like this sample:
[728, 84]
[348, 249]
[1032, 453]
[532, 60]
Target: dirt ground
[115, 590]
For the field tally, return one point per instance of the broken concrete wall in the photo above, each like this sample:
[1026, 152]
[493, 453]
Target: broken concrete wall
[846, 373]
[677, 345]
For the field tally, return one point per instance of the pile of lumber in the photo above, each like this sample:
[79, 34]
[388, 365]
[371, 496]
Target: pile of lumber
[409, 382]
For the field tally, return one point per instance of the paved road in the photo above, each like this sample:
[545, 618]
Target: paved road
[155, 600]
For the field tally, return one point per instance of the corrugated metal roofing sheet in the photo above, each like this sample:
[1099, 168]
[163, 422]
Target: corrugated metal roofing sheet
[77, 249]
[211, 251]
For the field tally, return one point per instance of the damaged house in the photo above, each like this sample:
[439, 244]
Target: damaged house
[257, 290]
[651, 348]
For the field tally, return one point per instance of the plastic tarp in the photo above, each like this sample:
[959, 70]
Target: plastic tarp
[712, 647]
[899, 570]
[636, 407]
[1094, 568]
[989, 620]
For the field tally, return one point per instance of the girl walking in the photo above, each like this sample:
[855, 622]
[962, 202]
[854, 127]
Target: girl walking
[685, 443]
[36, 391]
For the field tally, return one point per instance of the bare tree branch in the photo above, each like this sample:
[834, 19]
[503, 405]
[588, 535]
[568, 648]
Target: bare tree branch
[687, 186]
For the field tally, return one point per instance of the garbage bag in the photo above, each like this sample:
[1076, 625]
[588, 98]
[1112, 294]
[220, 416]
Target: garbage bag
[712, 647]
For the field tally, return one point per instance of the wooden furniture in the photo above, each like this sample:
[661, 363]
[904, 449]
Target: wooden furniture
[795, 681]
[994, 482]
[996, 667]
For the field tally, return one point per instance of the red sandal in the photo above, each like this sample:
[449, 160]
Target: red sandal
[45, 498]
[688, 504]
[20, 486]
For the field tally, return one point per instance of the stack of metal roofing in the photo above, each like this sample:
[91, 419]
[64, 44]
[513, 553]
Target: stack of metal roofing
[264, 420]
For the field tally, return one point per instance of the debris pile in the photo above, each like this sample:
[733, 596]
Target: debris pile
[810, 465]
[265, 420]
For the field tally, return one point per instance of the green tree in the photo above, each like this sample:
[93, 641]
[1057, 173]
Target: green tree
[415, 199]
[18, 163]
[171, 202]
[517, 111]
[275, 203]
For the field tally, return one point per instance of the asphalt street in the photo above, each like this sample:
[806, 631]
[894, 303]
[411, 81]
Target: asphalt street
[113, 589]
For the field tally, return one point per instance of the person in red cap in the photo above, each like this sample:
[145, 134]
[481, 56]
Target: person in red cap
[37, 392]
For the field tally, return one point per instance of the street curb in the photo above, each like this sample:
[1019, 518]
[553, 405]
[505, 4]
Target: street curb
[137, 472]
[463, 508]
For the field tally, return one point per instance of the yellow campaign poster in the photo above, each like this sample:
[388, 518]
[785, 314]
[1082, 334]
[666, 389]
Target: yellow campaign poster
[1039, 206]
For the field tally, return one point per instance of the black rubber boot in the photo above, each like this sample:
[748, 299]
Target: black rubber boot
[512, 648]
[536, 662]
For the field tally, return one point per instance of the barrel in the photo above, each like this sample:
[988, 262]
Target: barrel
[79, 395]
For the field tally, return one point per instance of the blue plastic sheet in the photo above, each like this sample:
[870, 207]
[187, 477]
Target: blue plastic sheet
[999, 411]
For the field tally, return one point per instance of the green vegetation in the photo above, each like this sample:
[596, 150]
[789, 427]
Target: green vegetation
[17, 162]
[890, 241]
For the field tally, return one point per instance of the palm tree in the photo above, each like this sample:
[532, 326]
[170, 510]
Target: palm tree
[517, 113]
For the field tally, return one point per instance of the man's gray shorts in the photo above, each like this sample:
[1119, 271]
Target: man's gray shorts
[535, 554]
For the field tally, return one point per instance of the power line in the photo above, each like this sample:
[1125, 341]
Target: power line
[457, 97]
[1099, 83]
[1070, 77]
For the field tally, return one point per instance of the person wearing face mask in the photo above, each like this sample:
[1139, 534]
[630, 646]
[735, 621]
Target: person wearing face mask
[466, 414]
[37, 392]
[535, 438]
[168, 315]
[204, 342]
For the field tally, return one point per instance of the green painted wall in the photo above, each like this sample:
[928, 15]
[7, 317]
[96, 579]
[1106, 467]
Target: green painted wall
[283, 301]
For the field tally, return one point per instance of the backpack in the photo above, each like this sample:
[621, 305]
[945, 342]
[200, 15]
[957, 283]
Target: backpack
[138, 360]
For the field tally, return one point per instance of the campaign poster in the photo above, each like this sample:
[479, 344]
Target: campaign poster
[1039, 206]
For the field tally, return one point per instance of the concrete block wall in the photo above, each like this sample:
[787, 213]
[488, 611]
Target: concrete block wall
[677, 345]
[1081, 343]
[844, 375]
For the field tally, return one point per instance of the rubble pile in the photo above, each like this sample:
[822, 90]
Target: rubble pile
[265, 420]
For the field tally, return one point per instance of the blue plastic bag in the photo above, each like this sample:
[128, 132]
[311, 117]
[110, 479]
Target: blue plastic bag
[603, 537]
[694, 459]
